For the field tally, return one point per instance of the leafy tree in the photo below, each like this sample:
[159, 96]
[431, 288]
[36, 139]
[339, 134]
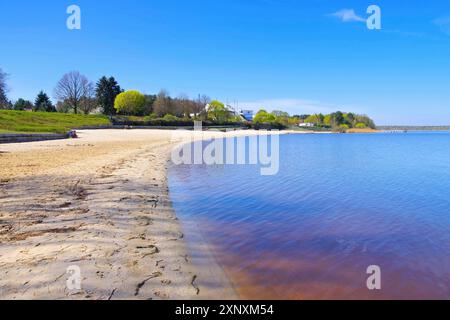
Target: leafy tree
[264, 117]
[366, 120]
[337, 119]
[327, 120]
[281, 117]
[130, 103]
[280, 114]
[107, 89]
[43, 103]
[350, 119]
[217, 112]
[317, 119]
[22, 104]
[294, 121]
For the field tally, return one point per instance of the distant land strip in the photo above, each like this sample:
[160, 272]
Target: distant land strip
[415, 128]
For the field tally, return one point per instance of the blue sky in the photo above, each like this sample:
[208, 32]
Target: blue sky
[300, 56]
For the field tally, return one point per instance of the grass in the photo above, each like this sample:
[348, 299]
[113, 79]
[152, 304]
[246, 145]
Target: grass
[46, 122]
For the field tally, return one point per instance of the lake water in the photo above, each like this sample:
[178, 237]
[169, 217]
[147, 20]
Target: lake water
[339, 204]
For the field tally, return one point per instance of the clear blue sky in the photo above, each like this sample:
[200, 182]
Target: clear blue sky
[277, 54]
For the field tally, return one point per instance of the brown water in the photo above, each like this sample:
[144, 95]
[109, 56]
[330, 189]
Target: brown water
[340, 204]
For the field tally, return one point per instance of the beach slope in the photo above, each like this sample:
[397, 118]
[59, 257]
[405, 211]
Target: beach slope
[98, 205]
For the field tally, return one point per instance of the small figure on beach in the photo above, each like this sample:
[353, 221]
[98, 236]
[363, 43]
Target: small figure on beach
[72, 134]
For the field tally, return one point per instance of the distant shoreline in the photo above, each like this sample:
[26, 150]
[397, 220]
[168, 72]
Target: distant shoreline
[414, 128]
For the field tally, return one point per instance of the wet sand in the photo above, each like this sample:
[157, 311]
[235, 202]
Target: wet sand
[99, 203]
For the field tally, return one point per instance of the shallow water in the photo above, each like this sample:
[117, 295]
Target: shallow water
[339, 204]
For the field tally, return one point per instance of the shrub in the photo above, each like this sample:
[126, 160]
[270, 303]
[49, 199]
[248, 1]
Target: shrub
[361, 125]
[169, 117]
[342, 128]
[265, 120]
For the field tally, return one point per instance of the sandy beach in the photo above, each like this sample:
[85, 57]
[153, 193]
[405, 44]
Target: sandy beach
[99, 203]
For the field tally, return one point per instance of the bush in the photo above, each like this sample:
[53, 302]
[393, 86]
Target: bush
[361, 126]
[170, 118]
[265, 120]
[130, 103]
[167, 121]
[342, 128]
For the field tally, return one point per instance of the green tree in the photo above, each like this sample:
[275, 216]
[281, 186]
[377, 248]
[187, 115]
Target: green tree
[317, 119]
[264, 117]
[350, 119]
[107, 89]
[302, 116]
[327, 120]
[43, 103]
[366, 120]
[22, 104]
[130, 103]
[217, 112]
[337, 119]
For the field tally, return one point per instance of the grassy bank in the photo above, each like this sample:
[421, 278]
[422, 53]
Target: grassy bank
[45, 122]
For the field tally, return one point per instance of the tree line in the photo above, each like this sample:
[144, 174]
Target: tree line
[76, 94]
[337, 121]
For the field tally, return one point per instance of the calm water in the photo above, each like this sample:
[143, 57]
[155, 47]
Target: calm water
[339, 204]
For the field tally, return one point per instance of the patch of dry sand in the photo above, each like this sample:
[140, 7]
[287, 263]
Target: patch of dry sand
[100, 203]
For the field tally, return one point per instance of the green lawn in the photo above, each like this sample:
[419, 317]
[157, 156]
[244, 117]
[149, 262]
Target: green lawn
[46, 122]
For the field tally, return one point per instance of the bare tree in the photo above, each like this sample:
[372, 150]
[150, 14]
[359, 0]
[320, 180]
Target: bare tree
[183, 106]
[73, 88]
[63, 106]
[162, 104]
[88, 103]
[4, 102]
[200, 105]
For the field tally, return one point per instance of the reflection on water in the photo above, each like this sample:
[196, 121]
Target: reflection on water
[339, 204]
